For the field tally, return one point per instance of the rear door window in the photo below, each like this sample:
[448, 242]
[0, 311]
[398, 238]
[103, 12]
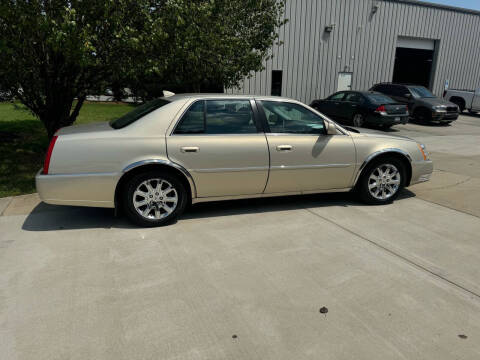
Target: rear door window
[218, 117]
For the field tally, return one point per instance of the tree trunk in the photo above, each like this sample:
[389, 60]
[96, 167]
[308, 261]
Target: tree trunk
[58, 115]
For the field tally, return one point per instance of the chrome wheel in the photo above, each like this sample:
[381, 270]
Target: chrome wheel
[155, 199]
[358, 120]
[384, 181]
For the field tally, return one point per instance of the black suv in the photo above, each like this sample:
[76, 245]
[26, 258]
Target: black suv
[423, 106]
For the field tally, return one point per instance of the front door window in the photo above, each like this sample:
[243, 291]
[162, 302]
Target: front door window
[291, 118]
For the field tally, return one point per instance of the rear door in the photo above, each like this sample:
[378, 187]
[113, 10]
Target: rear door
[352, 105]
[223, 146]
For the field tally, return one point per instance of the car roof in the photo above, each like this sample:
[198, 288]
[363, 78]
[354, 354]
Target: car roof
[224, 96]
[363, 92]
[401, 84]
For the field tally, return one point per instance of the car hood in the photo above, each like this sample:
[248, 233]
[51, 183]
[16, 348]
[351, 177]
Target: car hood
[85, 128]
[358, 133]
[435, 101]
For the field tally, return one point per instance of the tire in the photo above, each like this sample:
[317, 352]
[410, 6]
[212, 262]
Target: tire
[460, 103]
[158, 205]
[422, 116]
[358, 120]
[376, 195]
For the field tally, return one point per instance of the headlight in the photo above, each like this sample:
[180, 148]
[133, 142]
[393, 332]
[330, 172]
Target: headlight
[440, 108]
[424, 152]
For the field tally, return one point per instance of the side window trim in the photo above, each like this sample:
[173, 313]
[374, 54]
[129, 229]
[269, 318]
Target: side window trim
[182, 117]
[263, 117]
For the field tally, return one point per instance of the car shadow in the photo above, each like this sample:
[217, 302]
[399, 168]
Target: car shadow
[469, 114]
[46, 217]
[430, 123]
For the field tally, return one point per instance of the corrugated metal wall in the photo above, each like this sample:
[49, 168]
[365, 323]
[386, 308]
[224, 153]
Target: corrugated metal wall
[364, 43]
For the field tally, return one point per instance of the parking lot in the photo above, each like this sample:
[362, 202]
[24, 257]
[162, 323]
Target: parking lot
[247, 279]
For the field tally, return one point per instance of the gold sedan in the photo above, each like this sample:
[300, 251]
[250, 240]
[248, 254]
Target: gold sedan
[184, 149]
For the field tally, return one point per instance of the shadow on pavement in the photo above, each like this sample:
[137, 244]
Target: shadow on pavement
[469, 114]
[53, 218]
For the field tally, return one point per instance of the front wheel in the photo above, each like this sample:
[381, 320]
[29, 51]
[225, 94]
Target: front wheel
[422, 116]
[154, 199]
[382, 181]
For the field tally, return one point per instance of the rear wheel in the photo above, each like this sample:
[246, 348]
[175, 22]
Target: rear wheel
[358, 120]
[382, 181]
[154, 198]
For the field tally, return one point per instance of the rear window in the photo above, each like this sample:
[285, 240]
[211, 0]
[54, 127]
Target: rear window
[380, 99]
[138, 113]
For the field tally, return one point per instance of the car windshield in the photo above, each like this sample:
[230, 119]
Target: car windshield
[138, 113]
[420, 92]
[380, 99]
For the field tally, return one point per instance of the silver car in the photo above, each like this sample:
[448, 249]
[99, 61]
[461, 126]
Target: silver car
[184, 149]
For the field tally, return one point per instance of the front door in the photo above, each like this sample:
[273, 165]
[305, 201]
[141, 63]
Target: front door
[302, 157]
[220, 143]
[332, 105]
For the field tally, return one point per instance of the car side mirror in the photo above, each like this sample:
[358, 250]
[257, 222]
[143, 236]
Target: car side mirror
[330, 128]
[408, 96]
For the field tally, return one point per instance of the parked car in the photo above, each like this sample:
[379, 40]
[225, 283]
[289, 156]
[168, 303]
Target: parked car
[185, 149]
[359, 108]
[422, 104]
[464, 99]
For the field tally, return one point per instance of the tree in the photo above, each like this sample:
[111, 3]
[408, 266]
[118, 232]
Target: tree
[53, 53]
[218, 42]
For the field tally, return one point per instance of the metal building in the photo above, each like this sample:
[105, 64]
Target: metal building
[331, 45]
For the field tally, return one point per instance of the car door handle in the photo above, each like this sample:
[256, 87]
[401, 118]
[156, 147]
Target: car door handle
[189, 149]
[284, 148]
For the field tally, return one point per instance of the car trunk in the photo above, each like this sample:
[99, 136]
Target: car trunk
[396, 109]
[85, 128]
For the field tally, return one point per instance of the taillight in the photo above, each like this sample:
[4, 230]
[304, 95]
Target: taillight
[49, 155]
[381, 109]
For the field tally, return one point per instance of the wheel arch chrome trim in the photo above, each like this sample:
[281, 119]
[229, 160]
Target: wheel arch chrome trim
[188, 176]
[375, 155]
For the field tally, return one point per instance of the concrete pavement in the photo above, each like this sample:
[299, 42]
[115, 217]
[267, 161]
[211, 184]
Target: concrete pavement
[246, 279]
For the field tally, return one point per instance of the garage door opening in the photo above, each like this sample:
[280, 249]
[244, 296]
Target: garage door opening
[414, 60]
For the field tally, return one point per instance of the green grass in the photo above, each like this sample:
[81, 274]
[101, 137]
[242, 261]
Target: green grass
[23, 142]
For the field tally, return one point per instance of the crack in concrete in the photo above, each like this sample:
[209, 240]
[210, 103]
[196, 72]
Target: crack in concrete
[404, 258]
[451, 185]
